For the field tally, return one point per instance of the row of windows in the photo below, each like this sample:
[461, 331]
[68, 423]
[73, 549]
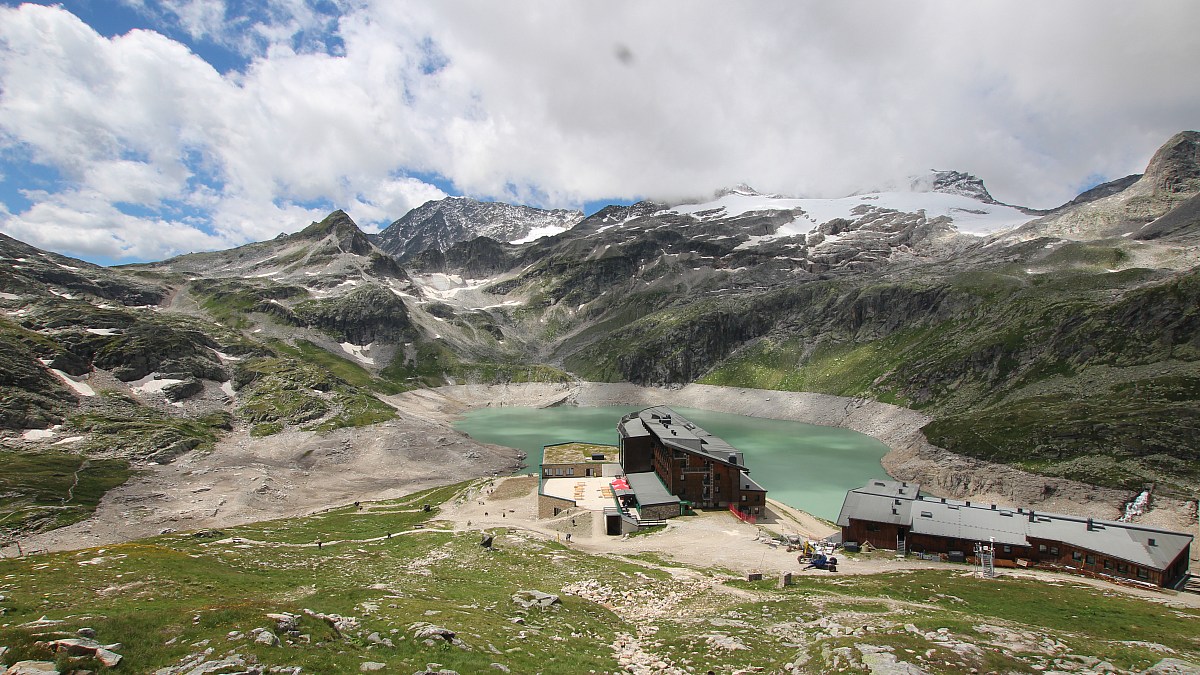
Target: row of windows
[1109, 565]
[559, 472]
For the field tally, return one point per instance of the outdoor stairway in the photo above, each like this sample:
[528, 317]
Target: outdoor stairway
[1192, 585]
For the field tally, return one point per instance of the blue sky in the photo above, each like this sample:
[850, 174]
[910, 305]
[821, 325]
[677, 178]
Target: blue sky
[133, 130]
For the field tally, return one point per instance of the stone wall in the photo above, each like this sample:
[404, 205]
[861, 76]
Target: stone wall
[547, 504]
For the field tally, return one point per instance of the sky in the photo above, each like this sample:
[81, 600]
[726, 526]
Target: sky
[134, 130]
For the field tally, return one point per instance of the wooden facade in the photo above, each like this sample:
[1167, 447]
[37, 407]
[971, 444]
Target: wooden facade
[695, 466]
[893, 515]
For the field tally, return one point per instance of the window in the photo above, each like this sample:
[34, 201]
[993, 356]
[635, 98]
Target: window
[1053, 550]
[1007, 548]
[1091, 559]
[926, 514]
[1041, 548]
[1076, 556]
[1123, 568]
[872, 528]
[1143, 573]
[571, 471]
[549, 472]
[558, 472]
[1108, 564]
[743, 497]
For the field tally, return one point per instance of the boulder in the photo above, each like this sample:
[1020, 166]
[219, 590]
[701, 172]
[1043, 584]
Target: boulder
[528, 599]
[267, 638]
[32, 668]
[371, 666]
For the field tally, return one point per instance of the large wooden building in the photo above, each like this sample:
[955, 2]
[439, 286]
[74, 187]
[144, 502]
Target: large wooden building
[692, 464]
[894, 515]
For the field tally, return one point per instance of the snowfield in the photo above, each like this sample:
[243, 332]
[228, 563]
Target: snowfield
[970, 216]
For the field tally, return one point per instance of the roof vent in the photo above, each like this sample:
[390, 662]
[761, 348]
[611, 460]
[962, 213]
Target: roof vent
[1151, 542]
[943, 500]
[968, 503]
[1031, 515]
[993, 507]
[1089, 525]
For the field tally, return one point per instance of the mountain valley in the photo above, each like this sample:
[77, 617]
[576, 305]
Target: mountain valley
[1064, 343]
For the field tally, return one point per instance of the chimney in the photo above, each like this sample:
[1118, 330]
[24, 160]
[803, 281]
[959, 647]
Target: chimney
[732, 458]
[1031, 515]
[1090, 527]
[993, 507]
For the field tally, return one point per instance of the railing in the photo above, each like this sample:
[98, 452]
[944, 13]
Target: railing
[744, 517]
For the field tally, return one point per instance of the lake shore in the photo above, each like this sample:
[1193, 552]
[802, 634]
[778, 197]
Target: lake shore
[910, 457]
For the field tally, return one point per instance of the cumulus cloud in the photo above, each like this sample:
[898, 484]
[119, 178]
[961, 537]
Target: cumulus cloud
[342, 103]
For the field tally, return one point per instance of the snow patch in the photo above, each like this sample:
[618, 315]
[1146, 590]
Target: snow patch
[226, 357]
[359, 352]
[68, 267]
[81, 388]
[39, 434]
[227, 387]
[10, 296]
[103, 331]
[70, 439]
[62, 294]
[539, 232]
[149, 384]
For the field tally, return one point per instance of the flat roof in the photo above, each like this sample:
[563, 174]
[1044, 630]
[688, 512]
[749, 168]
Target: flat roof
[578, 453]
[649, 489]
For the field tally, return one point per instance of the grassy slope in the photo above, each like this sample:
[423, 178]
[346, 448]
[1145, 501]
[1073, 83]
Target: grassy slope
[170, 597]
[1049, 373]
[41, 491]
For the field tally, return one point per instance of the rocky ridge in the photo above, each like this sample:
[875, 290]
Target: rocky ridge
[439, 224]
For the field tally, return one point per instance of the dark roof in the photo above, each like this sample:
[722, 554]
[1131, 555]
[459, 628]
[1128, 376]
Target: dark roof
[899, 503]
[649, 489]
[747, 483]
[675, 431]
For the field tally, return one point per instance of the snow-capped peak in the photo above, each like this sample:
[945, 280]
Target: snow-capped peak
[743, 190]
[958, 196]
[952, 183]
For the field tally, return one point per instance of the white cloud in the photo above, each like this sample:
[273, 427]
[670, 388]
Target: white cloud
[86, 224]
[564, 102]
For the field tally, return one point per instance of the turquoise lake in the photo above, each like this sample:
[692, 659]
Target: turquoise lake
[802, 465]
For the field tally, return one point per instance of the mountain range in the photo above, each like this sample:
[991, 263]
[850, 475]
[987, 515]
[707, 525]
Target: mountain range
[1065, 342]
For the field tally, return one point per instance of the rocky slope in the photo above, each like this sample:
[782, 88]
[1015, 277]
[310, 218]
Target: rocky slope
[1065, 343]
[439, 224]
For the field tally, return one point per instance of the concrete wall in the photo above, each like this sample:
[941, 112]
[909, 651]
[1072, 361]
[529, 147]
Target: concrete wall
[579, 469]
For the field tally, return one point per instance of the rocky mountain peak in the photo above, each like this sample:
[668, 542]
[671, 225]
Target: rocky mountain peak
[954, 183]
[744, 190]
[342, 229]
[1175, 168]
[440, 224]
